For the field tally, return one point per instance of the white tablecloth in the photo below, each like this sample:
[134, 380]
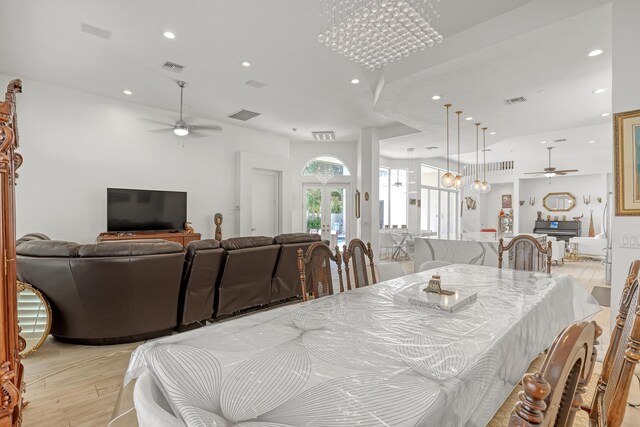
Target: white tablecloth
[359, 358]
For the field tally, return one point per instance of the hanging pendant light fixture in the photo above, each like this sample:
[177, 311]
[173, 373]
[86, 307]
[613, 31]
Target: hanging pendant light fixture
[486, 187]
[457, 181]
[477, 184]
[447, 178]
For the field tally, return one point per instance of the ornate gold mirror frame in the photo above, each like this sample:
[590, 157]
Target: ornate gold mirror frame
[34, 318]
[571, 202]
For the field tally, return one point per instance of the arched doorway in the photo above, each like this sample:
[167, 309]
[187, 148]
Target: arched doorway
[326, 191]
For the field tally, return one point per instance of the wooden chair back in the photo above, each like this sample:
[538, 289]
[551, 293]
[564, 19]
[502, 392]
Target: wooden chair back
[610, 401]
[355, 254]
[11, 343]
[526, 253]
[552, 396]
[318, 258]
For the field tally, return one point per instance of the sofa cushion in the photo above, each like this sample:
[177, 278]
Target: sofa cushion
[129, 248]
[48, 248]
[286, 238]
[235, 243]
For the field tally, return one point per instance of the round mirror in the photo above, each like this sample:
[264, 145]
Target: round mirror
[559, 202]
[34, 318]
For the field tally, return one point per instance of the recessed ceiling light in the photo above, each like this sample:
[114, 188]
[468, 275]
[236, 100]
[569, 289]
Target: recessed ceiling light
[436, 97]
[492, 133]
[355, 81]
[543, 142]
[127, 92]
[169, 35]
[591, 142]
[469, 118]
[601, 90]
[246, 64]
[595, 52]
[605, 115]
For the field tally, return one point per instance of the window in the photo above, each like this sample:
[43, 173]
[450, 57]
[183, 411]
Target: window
[393, 197]
[440, 206]
[328, 164]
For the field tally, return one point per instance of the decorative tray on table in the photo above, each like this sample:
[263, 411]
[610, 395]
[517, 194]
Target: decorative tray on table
[430, 295]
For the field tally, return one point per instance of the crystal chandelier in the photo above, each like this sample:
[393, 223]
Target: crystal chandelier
[374, 33]
[324, 174]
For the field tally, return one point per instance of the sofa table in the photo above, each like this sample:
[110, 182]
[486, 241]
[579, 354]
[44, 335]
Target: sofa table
[179, 236]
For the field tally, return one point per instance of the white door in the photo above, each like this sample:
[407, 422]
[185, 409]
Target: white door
[265, 203]
[326, 211]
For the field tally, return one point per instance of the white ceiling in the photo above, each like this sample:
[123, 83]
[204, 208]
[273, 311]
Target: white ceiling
[548, 66]
[307, 85]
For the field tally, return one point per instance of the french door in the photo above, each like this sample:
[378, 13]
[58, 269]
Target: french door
[326, 211]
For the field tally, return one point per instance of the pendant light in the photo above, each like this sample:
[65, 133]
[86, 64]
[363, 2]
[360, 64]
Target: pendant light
[447, 178]
[457, 181]
[486, 187]
[477, 184]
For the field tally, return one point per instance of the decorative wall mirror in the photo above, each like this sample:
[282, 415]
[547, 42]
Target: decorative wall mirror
[34, 317]
[559, 202]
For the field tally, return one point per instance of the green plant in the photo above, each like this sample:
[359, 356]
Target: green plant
[313, 222]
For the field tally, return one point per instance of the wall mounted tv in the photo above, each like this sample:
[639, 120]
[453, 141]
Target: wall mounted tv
[145, 210]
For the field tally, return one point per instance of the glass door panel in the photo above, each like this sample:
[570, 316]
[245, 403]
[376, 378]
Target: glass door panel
[326, 212]
[337, 219]
[313, 209]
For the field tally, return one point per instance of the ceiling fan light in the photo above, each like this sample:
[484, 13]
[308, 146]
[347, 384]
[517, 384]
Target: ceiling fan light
[550, 174]
[447, 180]
[181, 131]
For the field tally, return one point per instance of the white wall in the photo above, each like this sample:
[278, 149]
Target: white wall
[578, 185]
[76, 144]
[626, 97]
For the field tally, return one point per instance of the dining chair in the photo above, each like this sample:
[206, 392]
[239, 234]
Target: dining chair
[430, 265]
[612, 391]
[355, 254]
[526, 253]
[552, 396]
[318, 257]
[388, 243]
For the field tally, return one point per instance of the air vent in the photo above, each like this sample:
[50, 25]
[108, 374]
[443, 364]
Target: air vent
[243, 115]
[517, 100]
[172, 66]
[95, 31]
[255, 84]
[431, 147]
[560, 140]
[325, 135]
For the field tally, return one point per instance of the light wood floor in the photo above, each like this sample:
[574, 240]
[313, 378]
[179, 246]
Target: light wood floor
[70, 385]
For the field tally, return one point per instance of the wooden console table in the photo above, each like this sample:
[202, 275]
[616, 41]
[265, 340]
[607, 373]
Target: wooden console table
[181, 237]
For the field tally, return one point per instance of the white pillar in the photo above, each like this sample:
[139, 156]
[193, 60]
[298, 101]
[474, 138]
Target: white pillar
[368, 224]
[626, 97]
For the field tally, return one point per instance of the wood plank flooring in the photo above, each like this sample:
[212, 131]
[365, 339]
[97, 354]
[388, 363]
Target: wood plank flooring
[70, 385]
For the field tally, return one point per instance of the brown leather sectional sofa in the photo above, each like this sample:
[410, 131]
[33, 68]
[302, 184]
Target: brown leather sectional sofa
[125, 291]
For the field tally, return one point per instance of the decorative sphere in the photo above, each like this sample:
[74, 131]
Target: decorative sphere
[447, 180]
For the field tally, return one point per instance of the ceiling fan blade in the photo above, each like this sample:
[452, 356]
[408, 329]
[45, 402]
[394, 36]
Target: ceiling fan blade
[206, 127]
[196, 134]
[167, 130]
[567, 170]
[535, 173]
[560, 173]
[171, 125]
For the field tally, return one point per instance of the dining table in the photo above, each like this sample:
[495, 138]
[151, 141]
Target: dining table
[366, 357]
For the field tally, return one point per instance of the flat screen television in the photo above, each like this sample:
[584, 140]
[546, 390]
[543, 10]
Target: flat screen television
[145, 210]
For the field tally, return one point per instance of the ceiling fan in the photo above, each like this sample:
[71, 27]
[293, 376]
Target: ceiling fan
[550, 171]
[181, 128]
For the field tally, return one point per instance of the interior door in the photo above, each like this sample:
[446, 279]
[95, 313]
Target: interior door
[265, 206]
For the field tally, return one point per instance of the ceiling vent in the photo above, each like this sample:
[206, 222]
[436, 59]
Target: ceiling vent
[172, 66]
[560, 140]
[431, 147]
[325, 135]
[243, 115]
[255, 84]
[95, 31]
[517, 100]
